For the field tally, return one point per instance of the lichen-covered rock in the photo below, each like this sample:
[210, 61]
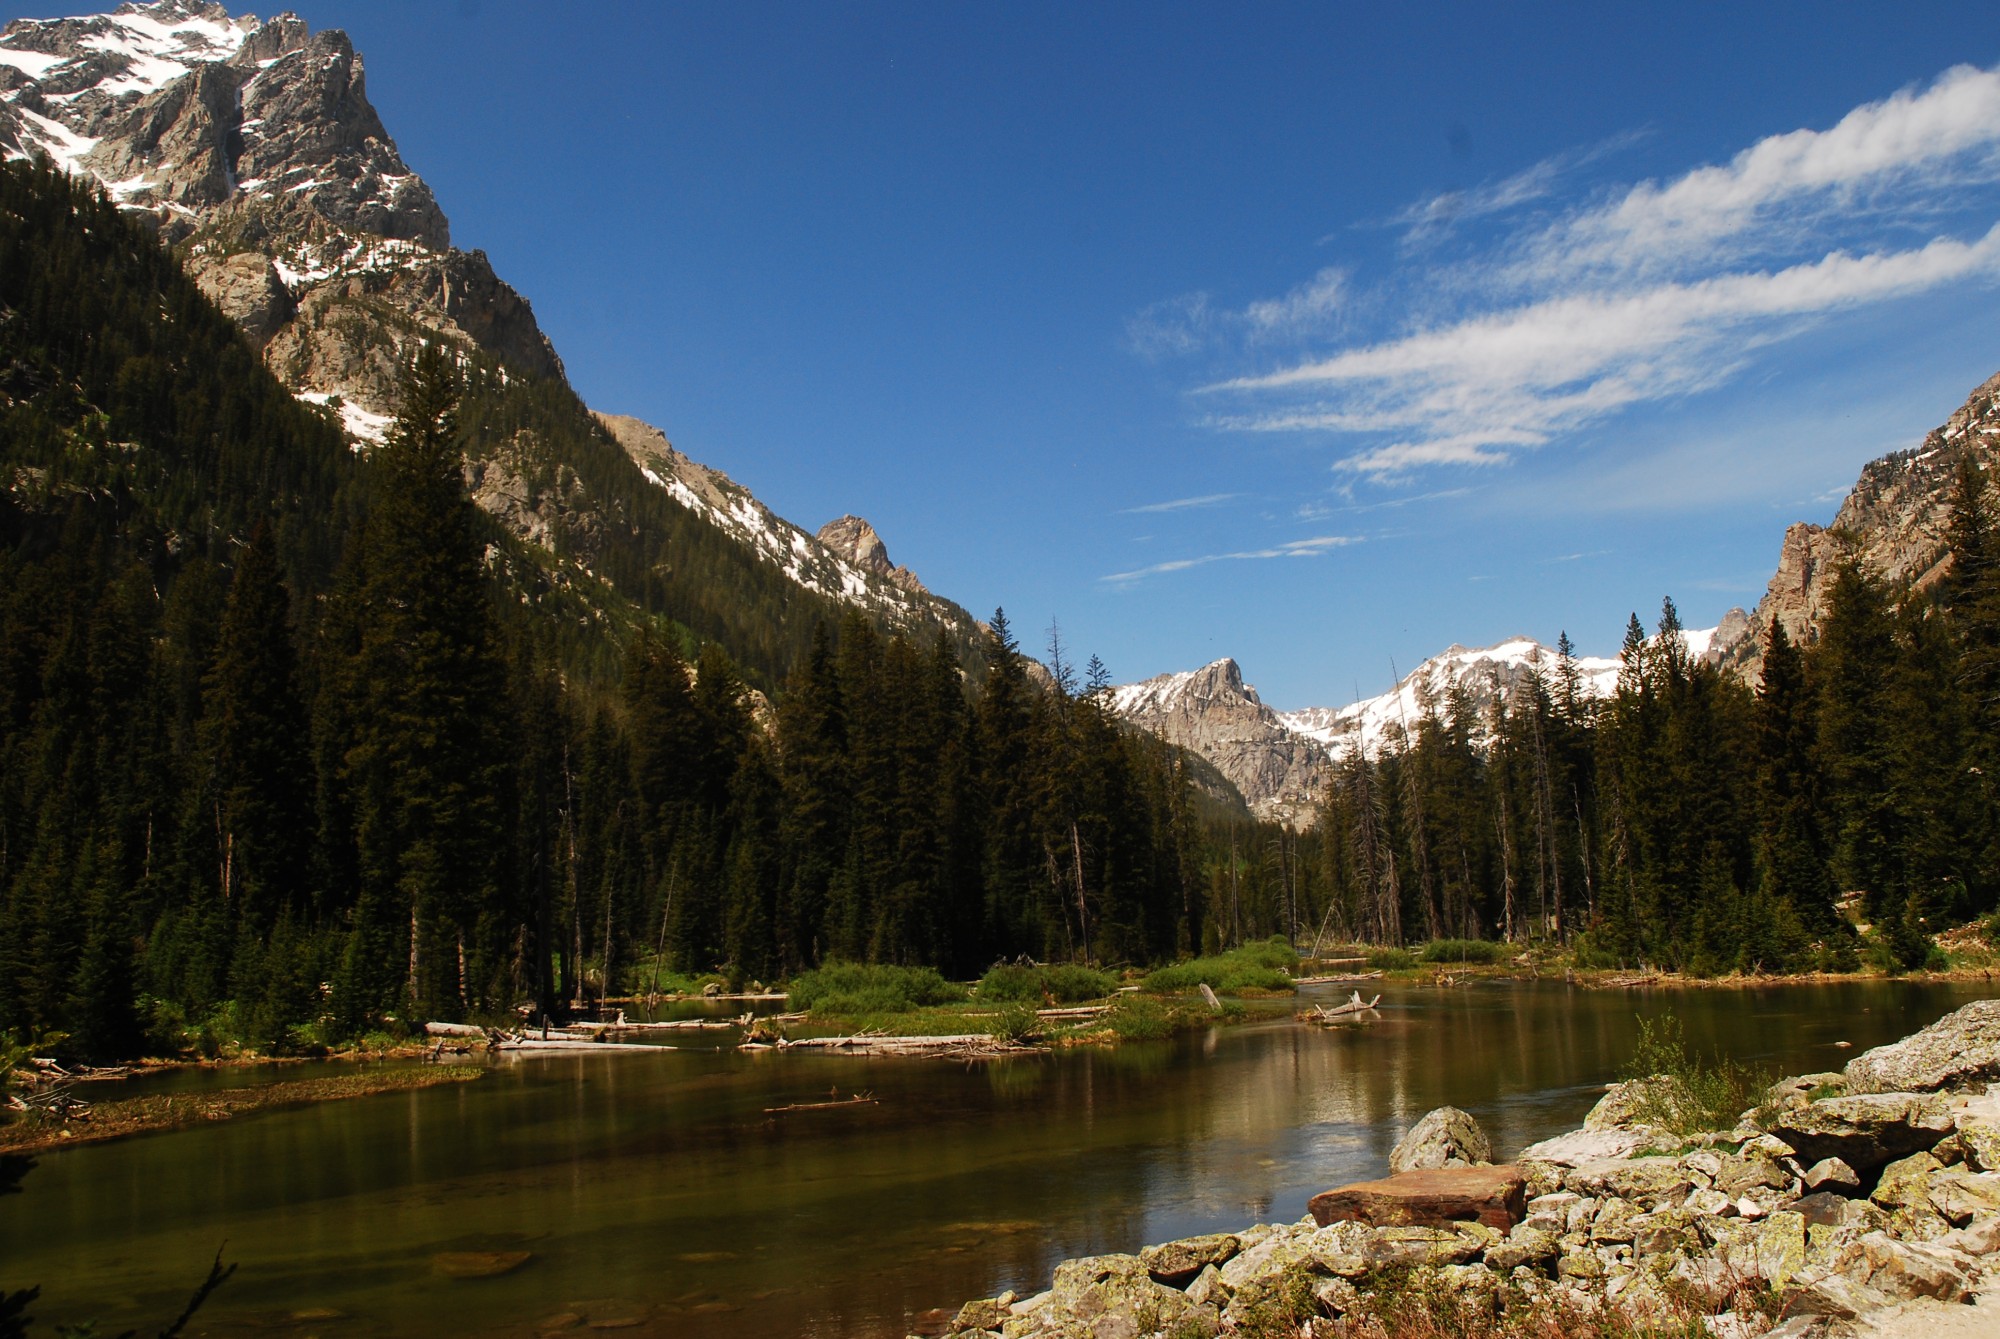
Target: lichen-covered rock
[1961, 1048]
[1525, 1245]
[1273, 1255]
[1959, 1196]
[1903, 1182]
[1176, 1262]
[1772, 1249]
[1745, 1172]
[1115, 1298]
[1344, 1249]
[1832, 1175]
[1649, 1181]
[1414, 1247]
[1581, 1146]
[988, 1313]
[1446, 1137]
[1867, 1131]
[1624, 1105]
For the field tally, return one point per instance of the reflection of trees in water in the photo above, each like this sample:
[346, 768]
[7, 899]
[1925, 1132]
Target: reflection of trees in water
[960, 1183]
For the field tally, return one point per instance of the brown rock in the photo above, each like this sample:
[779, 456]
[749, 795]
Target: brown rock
[1430, 1197]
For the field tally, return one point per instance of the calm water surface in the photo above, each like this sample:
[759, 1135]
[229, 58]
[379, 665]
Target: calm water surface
[653, 1189]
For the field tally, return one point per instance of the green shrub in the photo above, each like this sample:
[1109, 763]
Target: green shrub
[1265, 966]
[1465, 951]
[1685, 1092]
[1391, 959]
[1136, 1018]
[1064, 983]
[848, 988]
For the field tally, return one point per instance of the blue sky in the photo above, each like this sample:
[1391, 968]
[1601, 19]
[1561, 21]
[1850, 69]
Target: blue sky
[1322, 336]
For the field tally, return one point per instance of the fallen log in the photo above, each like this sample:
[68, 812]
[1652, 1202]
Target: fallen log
[572, 1045]
[857, 1100]
[960, 1044]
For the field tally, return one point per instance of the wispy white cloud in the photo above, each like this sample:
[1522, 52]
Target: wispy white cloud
[1296, 548]
[1182, 504]
[1657, 291]
[1191, 323]
[1433, 217]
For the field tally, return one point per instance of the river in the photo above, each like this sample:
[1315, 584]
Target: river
[655, 1190]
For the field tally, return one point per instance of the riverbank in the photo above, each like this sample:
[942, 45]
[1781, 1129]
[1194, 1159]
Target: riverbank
[124, 1118]
[1835, 1200]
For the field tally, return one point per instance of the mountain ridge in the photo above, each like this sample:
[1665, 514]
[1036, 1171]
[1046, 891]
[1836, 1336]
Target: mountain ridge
[253, 148]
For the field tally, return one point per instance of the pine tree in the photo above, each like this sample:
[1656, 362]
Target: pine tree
[428, 696]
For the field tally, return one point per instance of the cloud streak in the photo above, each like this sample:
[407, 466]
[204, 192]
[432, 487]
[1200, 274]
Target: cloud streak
[1656, 291]
[1181, 504]
[1297, 548]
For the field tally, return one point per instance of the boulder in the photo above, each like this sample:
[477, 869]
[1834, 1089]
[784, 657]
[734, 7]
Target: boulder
[1960, 1196]
[1623, 1104]
[1959, 1049]
[1113, 1297]
[1420, 1247]
[1648, 1181]
[1903, 1183]
[1820, 1209]
[1446, 1137]
[1433, 1197]
[1176, 1262]
[1525, 1245]
[1979, 1132]
[1581, 1146]
[1832, 1175]
[1868, 1131]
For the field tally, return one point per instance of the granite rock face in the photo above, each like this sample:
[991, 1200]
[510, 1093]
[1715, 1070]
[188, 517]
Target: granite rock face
[855, 540]
[1893, 521]
[1212, 712]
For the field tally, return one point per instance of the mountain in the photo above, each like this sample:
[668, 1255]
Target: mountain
[1893, 521]
[1280, 760]
[1485, 674]
[1213, 714]
[254, 150]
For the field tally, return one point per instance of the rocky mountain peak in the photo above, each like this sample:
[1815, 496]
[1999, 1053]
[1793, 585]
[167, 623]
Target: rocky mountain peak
[855, 540]
[1213, 713]
[1893, 521]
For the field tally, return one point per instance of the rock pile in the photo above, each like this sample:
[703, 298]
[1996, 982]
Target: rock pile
[1840, 1195]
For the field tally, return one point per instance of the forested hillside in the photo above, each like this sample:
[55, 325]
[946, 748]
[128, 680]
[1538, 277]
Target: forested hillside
[292, 741]
[1688, 821]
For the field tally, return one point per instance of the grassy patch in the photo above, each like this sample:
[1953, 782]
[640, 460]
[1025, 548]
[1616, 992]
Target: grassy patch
[1265, 966]
[850, 989]
[1688, 1093]
[1064, 983]
[1391, 959]
[174, 1111]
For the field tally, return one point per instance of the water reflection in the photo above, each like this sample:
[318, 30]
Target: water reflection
[657, 1189]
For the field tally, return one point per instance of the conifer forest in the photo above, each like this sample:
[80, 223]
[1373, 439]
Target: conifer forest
[292, 745]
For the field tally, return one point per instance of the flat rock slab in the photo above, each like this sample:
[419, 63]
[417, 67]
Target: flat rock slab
[479, 1264]
[1429, 1197]
[1956, 1051]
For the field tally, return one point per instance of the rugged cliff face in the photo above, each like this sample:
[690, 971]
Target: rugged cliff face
[1893, 521]
[1213, 713]
[855, 540]
[254, 148]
